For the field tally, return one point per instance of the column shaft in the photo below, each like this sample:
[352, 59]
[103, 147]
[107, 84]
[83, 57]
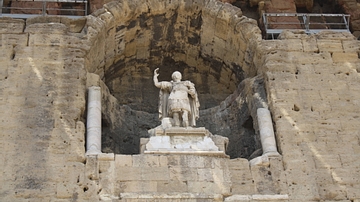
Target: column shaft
[93, 122]
[266, 132]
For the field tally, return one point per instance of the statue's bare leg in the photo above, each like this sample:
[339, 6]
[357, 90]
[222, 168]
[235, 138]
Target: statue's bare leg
[176, 119]
[185, 118]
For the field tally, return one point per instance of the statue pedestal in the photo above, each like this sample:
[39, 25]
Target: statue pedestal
[179, 140]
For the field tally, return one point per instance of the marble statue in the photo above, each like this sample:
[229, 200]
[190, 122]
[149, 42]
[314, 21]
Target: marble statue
[177, 100]
[178, 112]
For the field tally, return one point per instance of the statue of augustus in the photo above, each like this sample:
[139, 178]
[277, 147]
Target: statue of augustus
[177, 100]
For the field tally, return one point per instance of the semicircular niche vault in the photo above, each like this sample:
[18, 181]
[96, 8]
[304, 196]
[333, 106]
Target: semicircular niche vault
[207, 41]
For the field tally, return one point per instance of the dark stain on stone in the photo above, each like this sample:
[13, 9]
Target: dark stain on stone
[115, 71]
[204, 88]
[132, 24]
[170, 35]
[238, 71]
[196, 22]
[159, 25]
[175, 66]
[142, 21]
[156, 53]
[30, 183]
[248, 123]
[194, 40]
[74, 197]
[120, 28]
[216, 65]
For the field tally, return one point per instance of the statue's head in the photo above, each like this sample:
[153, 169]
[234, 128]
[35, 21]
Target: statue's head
[176, 76]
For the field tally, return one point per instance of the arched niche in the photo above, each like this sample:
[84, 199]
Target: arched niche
[209, 42]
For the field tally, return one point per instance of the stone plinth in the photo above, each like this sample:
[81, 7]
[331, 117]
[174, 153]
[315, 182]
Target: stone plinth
[180, 140]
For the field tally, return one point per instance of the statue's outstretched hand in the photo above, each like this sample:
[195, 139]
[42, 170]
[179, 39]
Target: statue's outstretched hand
[156, 72]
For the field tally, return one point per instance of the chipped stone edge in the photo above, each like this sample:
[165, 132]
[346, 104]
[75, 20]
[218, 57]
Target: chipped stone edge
[169, 196]
[257, 197]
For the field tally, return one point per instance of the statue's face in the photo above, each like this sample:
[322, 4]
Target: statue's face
[176, 76]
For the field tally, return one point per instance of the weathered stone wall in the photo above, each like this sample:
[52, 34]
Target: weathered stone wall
[183, 178]
[144, 174]
[312, 85]
[59, 56]
[42, 81]
[313, 89]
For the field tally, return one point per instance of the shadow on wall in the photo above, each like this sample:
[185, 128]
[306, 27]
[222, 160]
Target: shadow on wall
[233, 118]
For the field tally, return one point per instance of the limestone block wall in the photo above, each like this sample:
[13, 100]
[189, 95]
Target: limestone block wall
[313, 88]
[184, 178]
[129, 177]
[46, 65]
[42, 106]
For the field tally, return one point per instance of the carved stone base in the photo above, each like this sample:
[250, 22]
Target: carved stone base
[180, 140]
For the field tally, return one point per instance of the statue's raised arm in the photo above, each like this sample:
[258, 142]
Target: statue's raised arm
[178, 100]
[156, 81]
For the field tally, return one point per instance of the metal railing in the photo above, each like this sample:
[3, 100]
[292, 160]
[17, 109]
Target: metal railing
[31, 8]
[310, 23]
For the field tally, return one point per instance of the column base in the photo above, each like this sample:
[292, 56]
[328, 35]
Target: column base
[92, 152]
[272, 154]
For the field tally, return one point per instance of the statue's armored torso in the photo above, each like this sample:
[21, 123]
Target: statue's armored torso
[178, 99]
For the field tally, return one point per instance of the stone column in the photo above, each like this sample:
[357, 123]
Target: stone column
[93, 122]
[266, 132]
